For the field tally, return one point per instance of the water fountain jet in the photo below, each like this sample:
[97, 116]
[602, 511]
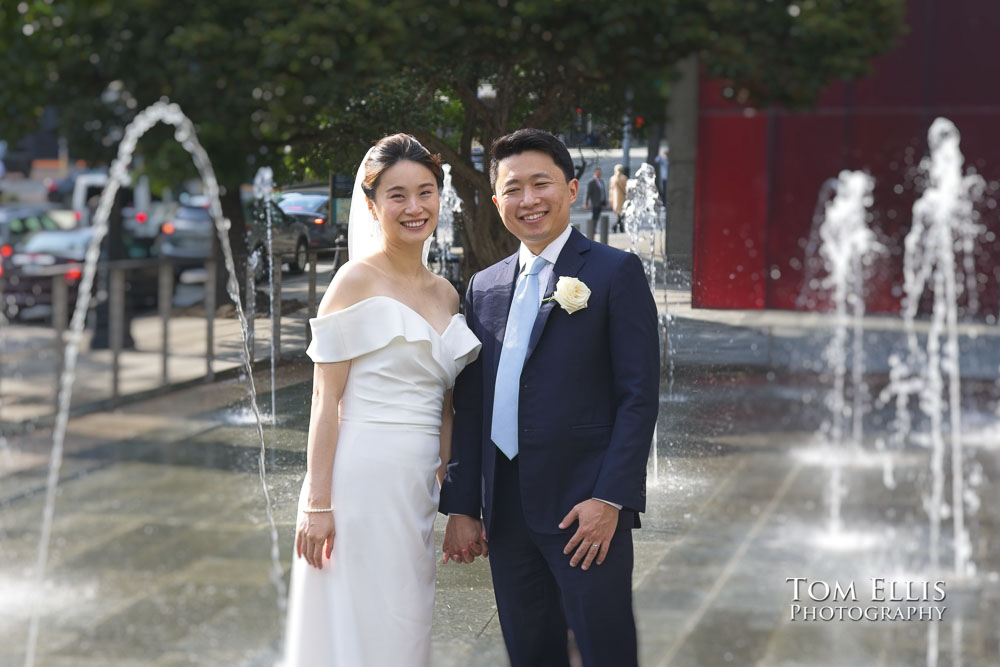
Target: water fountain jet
[846, 244]
[641, 213]
[450, 208]
[944, 219]
[263, 189]
[184, 133]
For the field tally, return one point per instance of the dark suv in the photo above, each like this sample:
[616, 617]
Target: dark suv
[311, 205]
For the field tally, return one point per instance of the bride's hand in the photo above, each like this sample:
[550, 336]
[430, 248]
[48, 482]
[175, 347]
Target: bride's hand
[315, 535]
[464, 539]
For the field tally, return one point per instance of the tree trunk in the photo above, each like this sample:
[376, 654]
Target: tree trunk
[232, 209]
[485, 240]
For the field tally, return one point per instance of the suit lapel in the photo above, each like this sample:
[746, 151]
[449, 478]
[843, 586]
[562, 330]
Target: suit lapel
[570, 260]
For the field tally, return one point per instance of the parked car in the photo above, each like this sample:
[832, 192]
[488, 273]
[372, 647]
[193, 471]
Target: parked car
[311, 205]
[27, 274]
[19, 221]
[186, 237]
[289, 237]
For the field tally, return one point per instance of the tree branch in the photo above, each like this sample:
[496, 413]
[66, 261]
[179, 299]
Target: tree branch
[471, 101]
[546, 107]
[460, 165]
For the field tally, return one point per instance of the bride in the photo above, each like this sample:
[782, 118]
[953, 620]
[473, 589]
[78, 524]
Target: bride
[387, 344]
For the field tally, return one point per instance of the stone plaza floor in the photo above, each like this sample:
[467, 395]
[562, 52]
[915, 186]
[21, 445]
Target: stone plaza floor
[160, 553]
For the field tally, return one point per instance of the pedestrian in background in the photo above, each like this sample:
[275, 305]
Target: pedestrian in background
[662, 164]
[617, 190]
[596, 200]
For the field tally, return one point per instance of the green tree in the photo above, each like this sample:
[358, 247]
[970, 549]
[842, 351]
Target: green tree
[99, 62]
[309, 86]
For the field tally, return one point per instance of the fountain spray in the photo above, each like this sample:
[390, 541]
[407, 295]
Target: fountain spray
[944, 220]
[184, 133]
[847, 243]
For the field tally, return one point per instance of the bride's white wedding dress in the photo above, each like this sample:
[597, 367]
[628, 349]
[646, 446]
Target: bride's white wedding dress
[371, 605]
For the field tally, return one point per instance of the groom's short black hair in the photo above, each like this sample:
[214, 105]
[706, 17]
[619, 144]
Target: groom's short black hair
[530, 139]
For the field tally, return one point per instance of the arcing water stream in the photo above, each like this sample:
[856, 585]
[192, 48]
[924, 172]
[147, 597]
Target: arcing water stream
[171, 114]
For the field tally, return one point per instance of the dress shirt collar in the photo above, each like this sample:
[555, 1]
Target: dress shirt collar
[551, 252]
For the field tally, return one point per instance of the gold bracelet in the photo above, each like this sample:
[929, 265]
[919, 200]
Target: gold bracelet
[309, 510]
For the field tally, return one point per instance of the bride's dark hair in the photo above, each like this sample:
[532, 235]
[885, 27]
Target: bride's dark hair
[396, 148]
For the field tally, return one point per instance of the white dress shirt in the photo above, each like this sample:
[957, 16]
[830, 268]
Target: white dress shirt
[526, 258]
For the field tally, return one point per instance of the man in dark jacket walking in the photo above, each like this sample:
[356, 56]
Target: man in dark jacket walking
[596, 200]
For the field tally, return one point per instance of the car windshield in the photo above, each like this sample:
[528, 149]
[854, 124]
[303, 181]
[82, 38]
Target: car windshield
[61, 243]
[299, 202]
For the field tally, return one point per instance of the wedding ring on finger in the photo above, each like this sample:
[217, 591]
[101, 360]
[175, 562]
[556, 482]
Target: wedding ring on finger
[595, 545]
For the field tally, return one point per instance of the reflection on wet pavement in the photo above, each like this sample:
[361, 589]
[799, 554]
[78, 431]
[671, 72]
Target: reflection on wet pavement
[161, 550]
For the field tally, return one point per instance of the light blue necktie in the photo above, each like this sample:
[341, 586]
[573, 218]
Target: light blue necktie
[520, 321]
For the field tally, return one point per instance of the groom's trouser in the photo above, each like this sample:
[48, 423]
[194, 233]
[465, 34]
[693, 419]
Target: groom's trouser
[538, 593]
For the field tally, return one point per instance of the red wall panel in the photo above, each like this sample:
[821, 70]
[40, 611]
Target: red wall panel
[963, 68]
[889, 147]
[765, 191]
[731, 197]
[805, 147]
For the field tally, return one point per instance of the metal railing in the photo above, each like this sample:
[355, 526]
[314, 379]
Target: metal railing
[116, 274]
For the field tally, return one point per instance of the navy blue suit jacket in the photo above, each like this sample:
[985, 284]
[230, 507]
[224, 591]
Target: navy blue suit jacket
[589, 392]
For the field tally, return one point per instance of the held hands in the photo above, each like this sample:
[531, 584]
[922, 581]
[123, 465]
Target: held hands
[592, 539]
[314, 536]
[464, 539]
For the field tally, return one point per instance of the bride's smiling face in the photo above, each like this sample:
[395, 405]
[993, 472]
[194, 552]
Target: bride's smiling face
[406, 203]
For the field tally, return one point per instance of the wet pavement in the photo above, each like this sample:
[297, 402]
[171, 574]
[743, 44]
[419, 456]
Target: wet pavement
[161, 552]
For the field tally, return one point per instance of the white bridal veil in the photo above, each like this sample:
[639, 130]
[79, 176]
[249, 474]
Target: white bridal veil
[364, 233]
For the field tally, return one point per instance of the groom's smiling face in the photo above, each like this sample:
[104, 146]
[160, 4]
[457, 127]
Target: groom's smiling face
[534, 198]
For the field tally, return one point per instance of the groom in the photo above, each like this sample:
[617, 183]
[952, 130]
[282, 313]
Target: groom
[554, 421]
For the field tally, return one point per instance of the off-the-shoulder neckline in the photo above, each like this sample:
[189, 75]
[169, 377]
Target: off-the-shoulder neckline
[430, 326]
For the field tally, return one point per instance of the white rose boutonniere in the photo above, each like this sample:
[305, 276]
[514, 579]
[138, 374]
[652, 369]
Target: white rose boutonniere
[571, 293]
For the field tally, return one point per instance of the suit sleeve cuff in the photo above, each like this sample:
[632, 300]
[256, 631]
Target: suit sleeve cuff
[608, 502]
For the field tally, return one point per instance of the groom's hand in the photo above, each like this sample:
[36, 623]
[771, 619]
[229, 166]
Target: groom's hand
[598, 521]
[464, 539]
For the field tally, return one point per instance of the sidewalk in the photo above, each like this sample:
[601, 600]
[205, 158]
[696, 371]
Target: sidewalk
[29, 357]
